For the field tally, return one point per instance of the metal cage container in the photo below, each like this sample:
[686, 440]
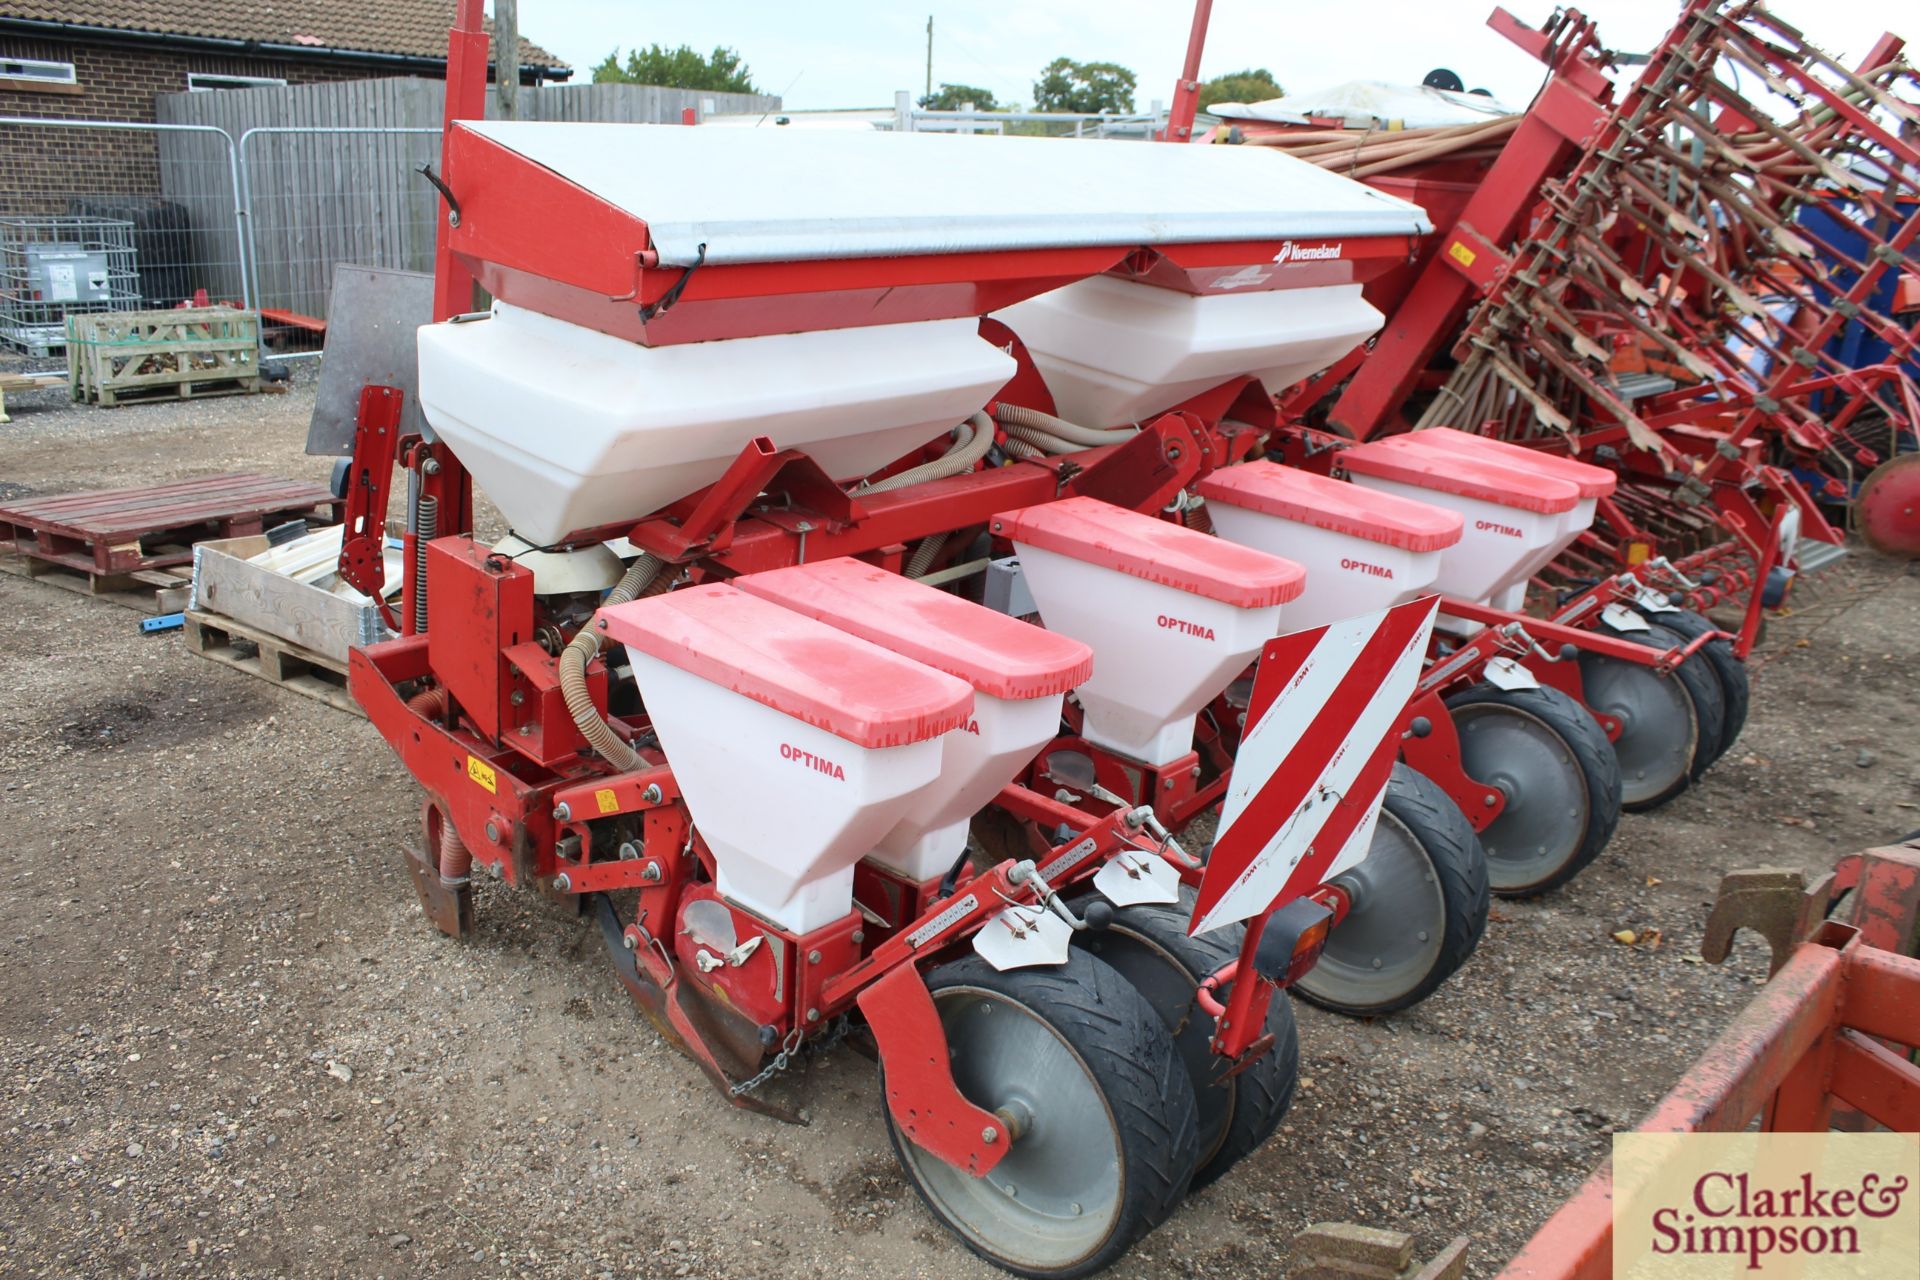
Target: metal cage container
[51, 268]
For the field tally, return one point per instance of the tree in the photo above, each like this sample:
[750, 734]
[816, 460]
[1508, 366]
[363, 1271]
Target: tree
[1084, 87]
[682, 68]
[952, 97]
[1240, 86]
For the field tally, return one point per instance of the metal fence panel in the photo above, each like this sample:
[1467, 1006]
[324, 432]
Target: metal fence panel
[173, 190]
[317, 196]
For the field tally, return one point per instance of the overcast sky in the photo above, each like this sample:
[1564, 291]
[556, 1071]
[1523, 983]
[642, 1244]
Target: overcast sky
[854, 53]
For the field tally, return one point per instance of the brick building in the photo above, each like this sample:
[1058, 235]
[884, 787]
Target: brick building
[107, 59]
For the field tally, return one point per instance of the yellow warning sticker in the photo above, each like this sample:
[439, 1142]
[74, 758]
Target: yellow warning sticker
[1461, 254]
[607, 801]
[482, 772]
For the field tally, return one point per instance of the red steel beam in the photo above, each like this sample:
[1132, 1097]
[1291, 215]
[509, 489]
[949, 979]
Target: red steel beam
[1812, 1027]
[1186, 94]
[466, 100]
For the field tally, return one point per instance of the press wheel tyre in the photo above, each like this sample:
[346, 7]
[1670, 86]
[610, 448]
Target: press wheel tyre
[1545, 754]
[1420, 901]
[1727, 669]
[1669, 724]
[1148, 945]
[1084, 1063]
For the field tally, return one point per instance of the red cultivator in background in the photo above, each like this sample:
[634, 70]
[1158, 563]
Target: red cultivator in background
[1676, 283]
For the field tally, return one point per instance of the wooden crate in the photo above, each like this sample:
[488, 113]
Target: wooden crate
[119, 356]
[292, 667]
[310, 618]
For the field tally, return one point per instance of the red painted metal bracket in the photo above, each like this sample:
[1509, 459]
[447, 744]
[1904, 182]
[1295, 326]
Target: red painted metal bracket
[376, 441]
[921, 1094]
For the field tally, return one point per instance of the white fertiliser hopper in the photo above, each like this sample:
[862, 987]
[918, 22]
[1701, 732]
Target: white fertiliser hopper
[1115, 351]
[566, 428]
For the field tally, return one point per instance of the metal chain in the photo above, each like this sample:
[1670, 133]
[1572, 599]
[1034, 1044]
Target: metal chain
[789, 1050]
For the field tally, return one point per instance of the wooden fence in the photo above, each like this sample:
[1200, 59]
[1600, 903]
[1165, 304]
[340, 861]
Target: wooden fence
[329, 170]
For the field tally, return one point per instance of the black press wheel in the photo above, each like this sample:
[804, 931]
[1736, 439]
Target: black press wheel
[1726, 667]
[1671, 725]
[1545, 754]
[1148, 944]
[1101, 1111]
[1420, 901]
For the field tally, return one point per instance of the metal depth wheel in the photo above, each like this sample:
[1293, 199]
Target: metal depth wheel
[1101, 1112]
[1420, 903]
[1547, 756]
[1659, 729]
[1148, 945]
[1691, 693]
[1735, 691]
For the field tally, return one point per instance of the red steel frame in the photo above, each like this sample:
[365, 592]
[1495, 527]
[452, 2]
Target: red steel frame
[527, 804]
[510, 789]
[1813, 1038]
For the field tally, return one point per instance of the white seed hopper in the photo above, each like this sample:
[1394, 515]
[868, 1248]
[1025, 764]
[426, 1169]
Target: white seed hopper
[1171, 614]
[796, 746]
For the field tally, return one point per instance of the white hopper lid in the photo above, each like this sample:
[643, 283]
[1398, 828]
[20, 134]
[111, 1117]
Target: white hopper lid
[754, 195]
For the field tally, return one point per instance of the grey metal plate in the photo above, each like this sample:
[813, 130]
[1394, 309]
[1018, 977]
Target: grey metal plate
[371, 321]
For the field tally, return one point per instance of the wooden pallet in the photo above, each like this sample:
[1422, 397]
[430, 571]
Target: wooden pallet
[144, 590]
[293, 668]
[110, 533]
[25, 382]
[203, 390]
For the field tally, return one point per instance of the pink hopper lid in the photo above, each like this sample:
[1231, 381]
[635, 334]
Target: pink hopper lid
[999, 656]
[1326, 503]
[1143, 547]
[1468, 472]
[799, 667]
[1591, 481]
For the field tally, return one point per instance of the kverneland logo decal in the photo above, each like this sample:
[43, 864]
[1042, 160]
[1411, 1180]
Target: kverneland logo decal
[1762, 1205]
[1291, 252]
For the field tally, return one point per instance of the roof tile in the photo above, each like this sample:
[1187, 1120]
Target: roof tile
[416, 28]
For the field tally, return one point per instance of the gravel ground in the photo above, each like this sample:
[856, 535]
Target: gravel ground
[231, 1046]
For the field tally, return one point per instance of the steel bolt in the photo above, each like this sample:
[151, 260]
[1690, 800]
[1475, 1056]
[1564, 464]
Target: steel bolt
[561, 813]
[652, 874]
[989, 1135]
[493, 831]
[431, 467]
[813, 957]
[859, 936]
[813, 1015]
[629, 941]
[517, 697]
[652, 794]
[563, 882]
[1488, 799]
[1169, 784]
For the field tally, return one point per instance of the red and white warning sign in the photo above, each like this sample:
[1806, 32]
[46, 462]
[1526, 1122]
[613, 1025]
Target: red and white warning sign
[1314, 759]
